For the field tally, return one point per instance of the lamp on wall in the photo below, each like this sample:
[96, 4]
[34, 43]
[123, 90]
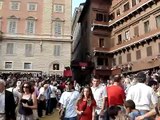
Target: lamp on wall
[41, 47]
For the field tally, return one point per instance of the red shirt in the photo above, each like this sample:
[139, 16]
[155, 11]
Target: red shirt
[116, 95]
[87, 114]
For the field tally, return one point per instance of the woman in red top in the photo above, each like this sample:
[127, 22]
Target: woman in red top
[86, 105]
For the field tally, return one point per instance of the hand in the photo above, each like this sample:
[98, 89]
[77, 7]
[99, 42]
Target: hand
[93, 118]
[140, 118]
[101, 112]
[80, 112]
[25, 104]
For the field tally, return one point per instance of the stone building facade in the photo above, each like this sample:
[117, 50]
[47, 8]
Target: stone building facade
[135, 34]
[120, 37]
[36, 36]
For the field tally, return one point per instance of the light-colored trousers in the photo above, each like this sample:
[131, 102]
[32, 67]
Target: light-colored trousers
[2, 117]
[23, 117]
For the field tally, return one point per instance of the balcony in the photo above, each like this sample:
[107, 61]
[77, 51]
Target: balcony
[102, 50]
[102, 67]
[103, 72]
[154, 34]
[132, 12]
[129, 44]
[99, 23]
[106, 71]
[143, 64]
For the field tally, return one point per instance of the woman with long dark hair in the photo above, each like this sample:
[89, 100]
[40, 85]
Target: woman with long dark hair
[27, 103]
[86, 105]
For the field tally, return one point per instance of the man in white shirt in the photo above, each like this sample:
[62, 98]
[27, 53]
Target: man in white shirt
[53, 97]
[7, 103]
[68, 101]
[41, 101]
[16, 91]
[100, 95]
[142, 95]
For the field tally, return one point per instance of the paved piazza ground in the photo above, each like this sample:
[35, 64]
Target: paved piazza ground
[54, 116]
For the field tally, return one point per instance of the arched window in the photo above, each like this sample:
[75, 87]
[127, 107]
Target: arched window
[30, 25]
[12, 24]
[55, 66]
[58, 26]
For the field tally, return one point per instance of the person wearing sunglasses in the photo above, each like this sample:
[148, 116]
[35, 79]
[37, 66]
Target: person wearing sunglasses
[68, 101]
[27, 103]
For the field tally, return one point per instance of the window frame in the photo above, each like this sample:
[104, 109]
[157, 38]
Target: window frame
[8, 62]
[148, 28]
[119, 37]
[114, 62]
[101, 42]
[58, 5]
[126, 6]
[27, 63]
[120, 59]
[58, 28]
[55, 50]
[127, 35]
[138, 55]
[129, 57]
[136, 31]
[11, 52]
[58, 68]
[157, 24]
[10, 27]
[28, 27]
[11, 5]
[28, 54]
[149, 51]
[32, 3]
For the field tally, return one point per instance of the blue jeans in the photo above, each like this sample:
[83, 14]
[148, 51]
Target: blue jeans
[72, 118]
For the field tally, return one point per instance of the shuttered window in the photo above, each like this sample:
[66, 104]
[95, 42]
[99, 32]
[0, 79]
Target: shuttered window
[129, 57]
[120, 59]
[149, 51]
[28, 50]
[10, 48]
[138, 54]
[57, 49]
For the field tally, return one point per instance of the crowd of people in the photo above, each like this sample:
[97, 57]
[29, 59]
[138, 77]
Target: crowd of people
[32, 96]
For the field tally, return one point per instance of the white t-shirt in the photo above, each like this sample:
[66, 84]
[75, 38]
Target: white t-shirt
[2, 102]
[68, 100]
[17, 95]
[41, 95]
[53, 89]
[99, 93]
[142, 95]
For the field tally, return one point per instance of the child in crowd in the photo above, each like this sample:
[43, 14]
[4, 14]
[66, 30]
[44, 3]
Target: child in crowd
[114, 113]
[132, 113]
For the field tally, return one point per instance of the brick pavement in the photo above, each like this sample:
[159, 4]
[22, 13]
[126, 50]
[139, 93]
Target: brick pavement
[54, 116]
